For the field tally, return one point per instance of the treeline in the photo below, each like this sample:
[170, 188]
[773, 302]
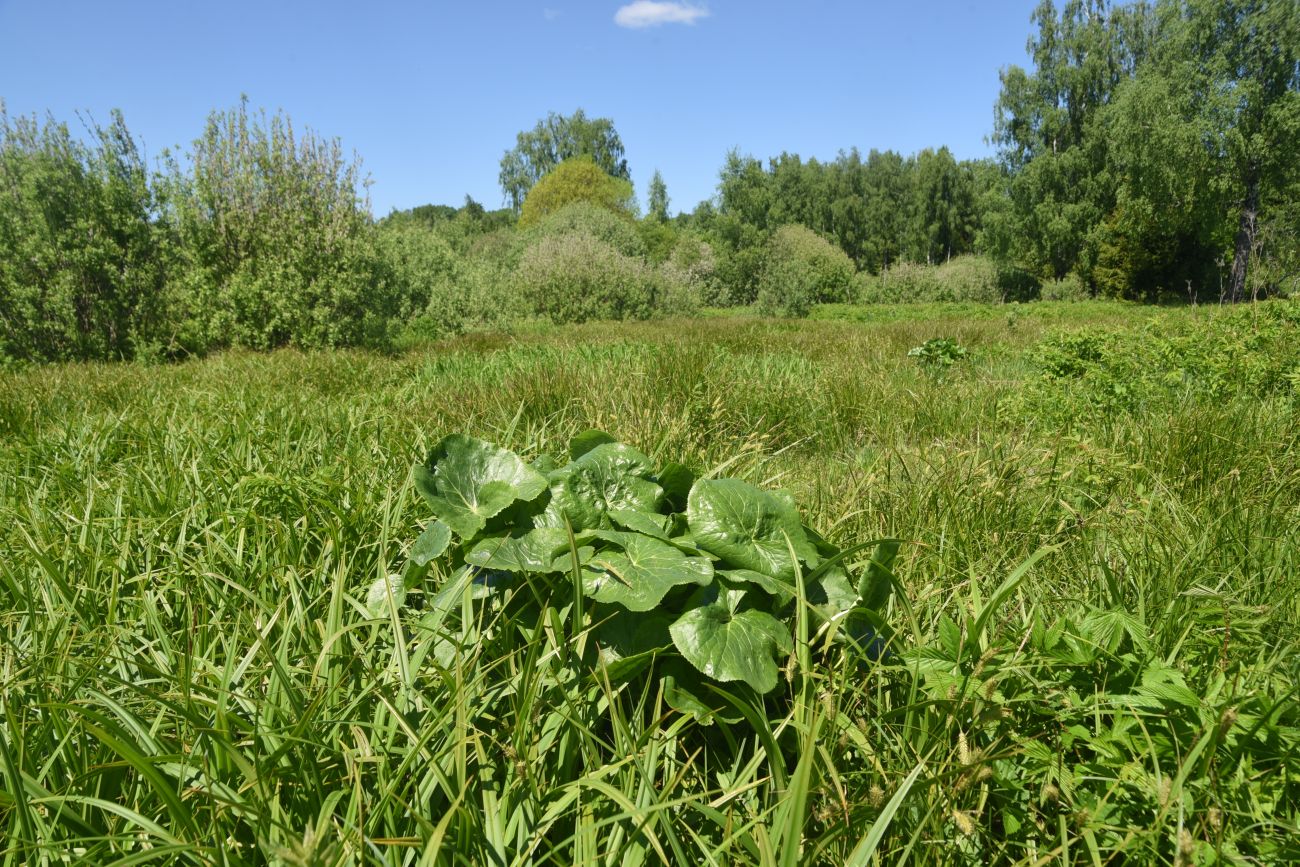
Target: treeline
[1152, 151]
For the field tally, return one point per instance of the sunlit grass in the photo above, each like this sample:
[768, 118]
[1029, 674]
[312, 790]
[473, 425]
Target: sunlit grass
[190, 676]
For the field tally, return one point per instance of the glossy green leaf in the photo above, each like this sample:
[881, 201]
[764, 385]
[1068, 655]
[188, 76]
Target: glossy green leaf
[586, 441]
[649, 523]
[467, 481]
[639, 576]
[779, 589]
[538, 551]
[748, 528]
[609, 477]
[431, 543]
[728, 643]
[379, 593]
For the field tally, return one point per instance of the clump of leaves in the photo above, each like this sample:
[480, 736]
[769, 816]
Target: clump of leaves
[938, 354]
[697, 581]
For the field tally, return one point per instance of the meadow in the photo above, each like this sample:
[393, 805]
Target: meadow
[1091, 659]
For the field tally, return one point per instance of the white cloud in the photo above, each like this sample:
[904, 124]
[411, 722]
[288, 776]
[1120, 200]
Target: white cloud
[551, 14]
[652, 13]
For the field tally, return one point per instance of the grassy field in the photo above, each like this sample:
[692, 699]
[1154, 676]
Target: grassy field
[190, 674]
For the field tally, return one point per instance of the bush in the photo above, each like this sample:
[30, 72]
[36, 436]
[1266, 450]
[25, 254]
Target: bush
[600, 223]
[446, 293]
[576, 277]
[82, 269]
[802, 269]
[276, 239]
[578, 179]
[964, 278]
[1068, 288]
[693, 264]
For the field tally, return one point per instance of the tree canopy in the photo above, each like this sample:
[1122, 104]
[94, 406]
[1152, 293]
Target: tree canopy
[577, 179]
[554, 140]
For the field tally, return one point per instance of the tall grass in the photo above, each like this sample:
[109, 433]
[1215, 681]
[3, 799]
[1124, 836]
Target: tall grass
[1094, 659]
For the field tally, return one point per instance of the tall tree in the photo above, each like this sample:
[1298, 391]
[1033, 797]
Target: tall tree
[1044, 121]
[1242, 61]
[554, 140]
[657, 198]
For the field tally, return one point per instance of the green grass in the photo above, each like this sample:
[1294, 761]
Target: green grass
[190, 676]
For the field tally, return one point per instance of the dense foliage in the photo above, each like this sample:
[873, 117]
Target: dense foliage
[82, 272]
[690, 581]
[802, 269]
[537, 152]
[577, 179]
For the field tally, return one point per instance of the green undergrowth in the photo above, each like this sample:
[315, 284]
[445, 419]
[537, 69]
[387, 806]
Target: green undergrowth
[1091, 657]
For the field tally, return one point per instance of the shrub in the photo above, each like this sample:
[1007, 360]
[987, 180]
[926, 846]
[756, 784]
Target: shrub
[693, 264]
[446, 293]
[578, 179]
[576, 277]
[82, 269]
[802, 269]
[1068, 288]
[600, 223]
[276, 238]
[964, 278]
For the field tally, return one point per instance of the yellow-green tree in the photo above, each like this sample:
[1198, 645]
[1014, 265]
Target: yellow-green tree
[578, 179]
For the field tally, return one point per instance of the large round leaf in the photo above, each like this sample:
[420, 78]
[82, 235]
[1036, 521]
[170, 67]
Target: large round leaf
[641, 574]
[726, 643]
[539, 551]
[609, 477]
[747, 527]
[467, 481]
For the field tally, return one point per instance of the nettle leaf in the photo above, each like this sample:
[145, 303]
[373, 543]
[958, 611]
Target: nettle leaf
[727, 643]
[539, 551]
[609, 477]
[431, 544]
[747, 527]
[467, 481]
[641, 574]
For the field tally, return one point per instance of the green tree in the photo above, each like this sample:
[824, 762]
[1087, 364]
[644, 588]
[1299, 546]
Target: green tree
[276, 236]
[556, 139]
[578, 179]
[1241, 59]
[1044, 123]
[83, 270]
[657, 198]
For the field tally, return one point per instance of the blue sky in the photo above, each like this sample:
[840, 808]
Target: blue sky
[430, 94]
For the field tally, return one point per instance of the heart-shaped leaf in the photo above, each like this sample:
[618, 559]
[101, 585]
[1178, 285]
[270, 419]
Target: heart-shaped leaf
[467, 481]
[641, 574]
[608, 477]
[748, 528]
[586, 441]
[727, 643]
[539, 551]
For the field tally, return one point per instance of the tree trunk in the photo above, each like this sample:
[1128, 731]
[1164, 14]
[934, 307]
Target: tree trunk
[1245, 238]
